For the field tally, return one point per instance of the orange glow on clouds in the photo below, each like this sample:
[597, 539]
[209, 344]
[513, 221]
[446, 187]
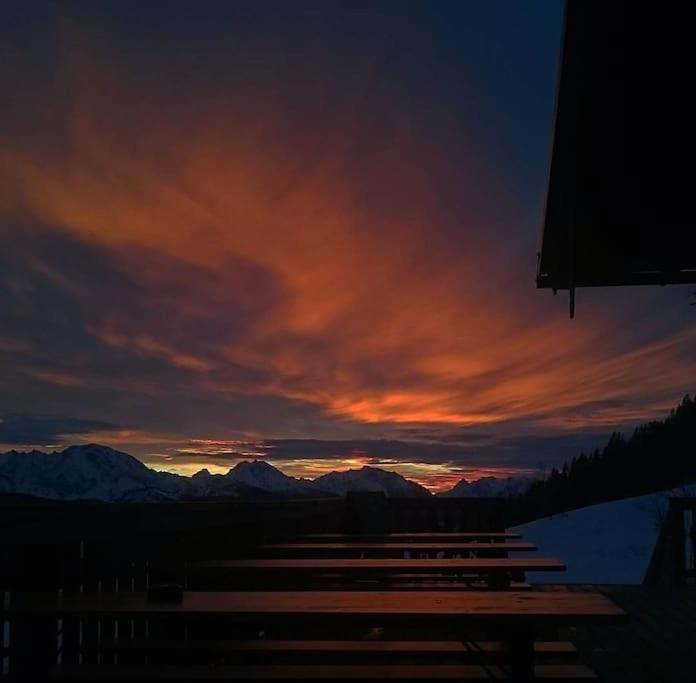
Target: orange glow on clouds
[360, 274]
[433, 476]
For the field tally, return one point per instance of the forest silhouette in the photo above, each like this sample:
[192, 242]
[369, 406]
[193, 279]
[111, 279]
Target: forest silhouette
[658, 455]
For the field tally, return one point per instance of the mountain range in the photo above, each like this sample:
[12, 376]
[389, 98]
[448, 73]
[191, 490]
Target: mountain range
[490, 487]
[94, 472]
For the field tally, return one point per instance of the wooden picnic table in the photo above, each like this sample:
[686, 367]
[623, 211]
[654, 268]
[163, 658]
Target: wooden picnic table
[480, 607]
[514, 617]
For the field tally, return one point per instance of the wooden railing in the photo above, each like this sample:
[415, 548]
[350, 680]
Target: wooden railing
[114, 548]
[683, 515]
[96, 546]
[373, 512]
[674, 559]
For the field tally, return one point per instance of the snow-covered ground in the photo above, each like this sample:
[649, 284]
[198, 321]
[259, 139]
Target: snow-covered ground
[605, 543]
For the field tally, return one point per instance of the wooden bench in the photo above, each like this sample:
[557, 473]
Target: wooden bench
[551, 673]
[512, 618]
[393, 549]
[354, 648]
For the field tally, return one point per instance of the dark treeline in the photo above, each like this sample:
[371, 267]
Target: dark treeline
[658, 455]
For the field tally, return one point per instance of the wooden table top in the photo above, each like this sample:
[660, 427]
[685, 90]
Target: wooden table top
[402, 547]
[387, 565]
[479, 606]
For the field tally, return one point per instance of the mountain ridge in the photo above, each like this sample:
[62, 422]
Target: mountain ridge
[93, 471]
[489, 487]
[370, 479]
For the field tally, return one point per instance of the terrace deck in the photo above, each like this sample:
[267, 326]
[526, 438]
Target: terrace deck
[657, 644]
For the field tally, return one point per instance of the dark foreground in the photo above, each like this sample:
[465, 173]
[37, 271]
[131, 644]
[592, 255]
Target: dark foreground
[352, 590]
[658, 644]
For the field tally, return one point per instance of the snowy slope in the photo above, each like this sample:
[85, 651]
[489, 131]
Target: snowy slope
[606, 543]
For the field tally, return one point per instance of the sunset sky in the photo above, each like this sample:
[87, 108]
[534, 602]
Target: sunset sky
[305, 232]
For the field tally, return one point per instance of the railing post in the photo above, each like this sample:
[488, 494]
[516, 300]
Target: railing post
[677, 514]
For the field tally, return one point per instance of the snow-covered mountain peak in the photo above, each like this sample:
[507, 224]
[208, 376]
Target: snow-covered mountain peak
[369, 479]
[85, 472]
[262, 475]
[490, 487]
[98, 472]
[101, 456]
[255, 466]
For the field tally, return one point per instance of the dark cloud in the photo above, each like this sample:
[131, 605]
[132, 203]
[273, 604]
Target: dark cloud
[83, 303]
[515, 452]
[554, 442]
[45, 430]
[544, 451]
[290, 449]
[446, 435]
[135, 321]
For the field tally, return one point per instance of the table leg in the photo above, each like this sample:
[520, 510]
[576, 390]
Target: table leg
[519, 643]
[33, 646]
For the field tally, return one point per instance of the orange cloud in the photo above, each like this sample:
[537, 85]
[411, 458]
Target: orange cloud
[389, 307]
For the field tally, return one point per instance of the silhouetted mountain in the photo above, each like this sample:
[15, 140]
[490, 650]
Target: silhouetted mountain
[261, 475]
[369, 479]
[86, 472]
[100, 473]
[203, 484]
[490, 487]
[248, 479]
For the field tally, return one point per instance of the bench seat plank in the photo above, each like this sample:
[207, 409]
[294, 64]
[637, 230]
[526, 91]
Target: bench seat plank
[391, 672]
[417, 647]
[381, 566]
